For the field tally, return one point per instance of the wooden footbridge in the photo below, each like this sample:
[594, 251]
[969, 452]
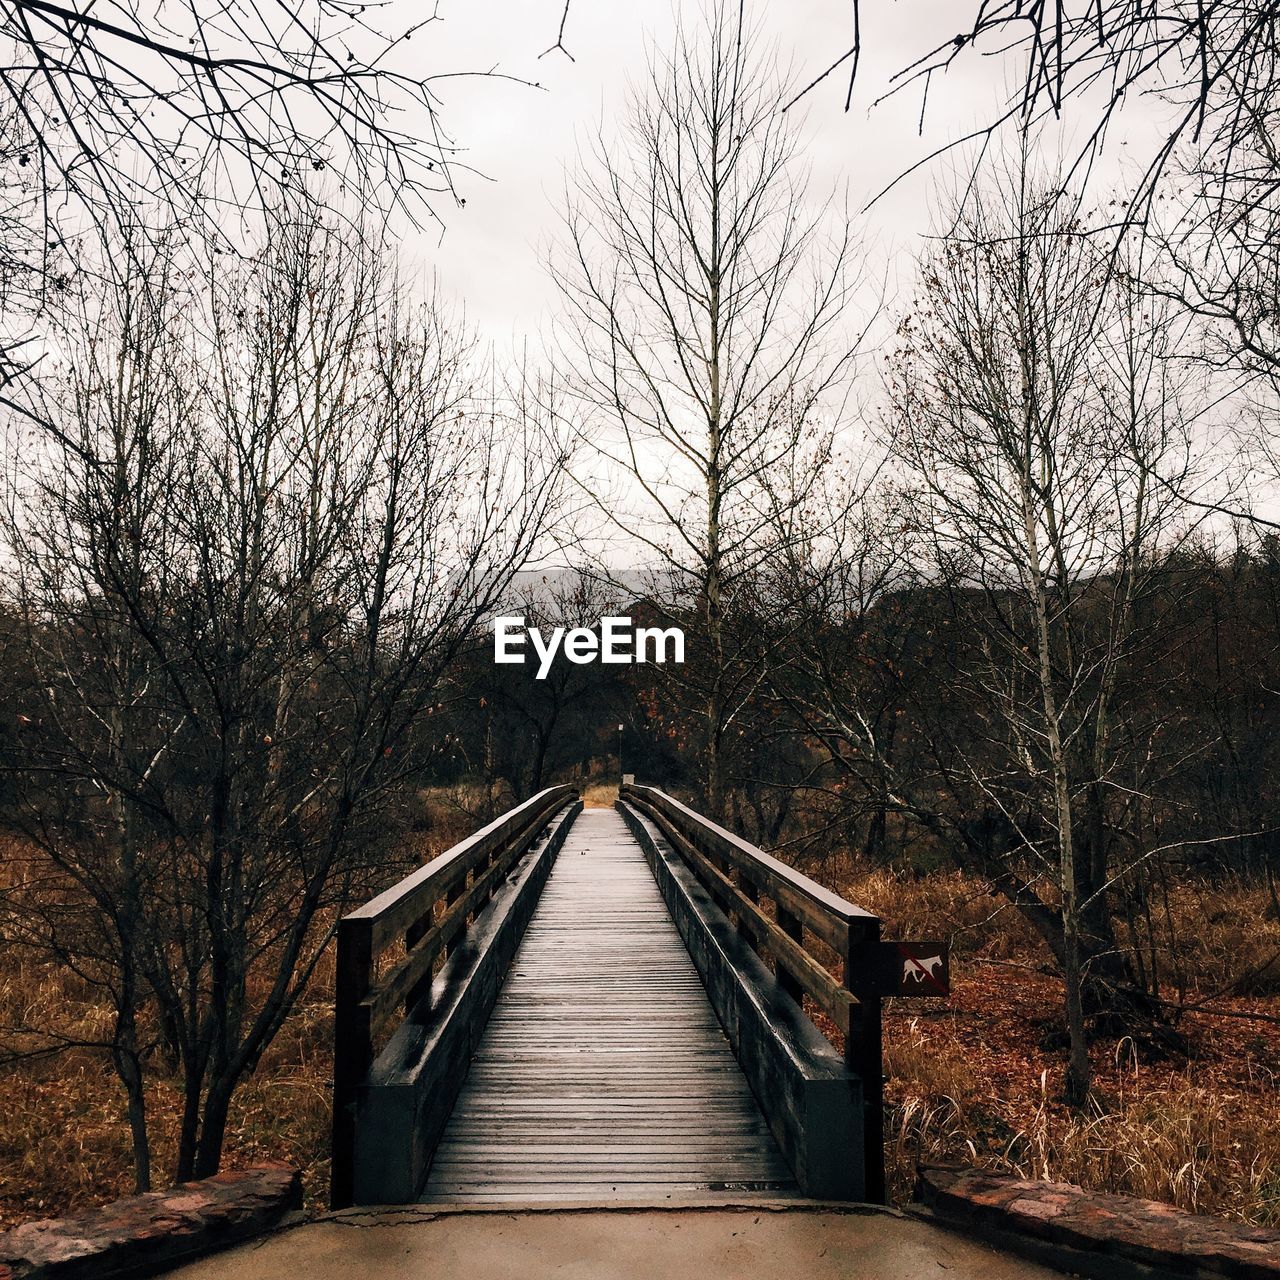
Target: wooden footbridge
[611, 1005]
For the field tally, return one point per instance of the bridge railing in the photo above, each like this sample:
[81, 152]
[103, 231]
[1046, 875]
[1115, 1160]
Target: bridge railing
[783, 916]
[387, 951]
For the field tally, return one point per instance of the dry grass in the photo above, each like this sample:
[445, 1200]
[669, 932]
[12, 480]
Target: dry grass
[599, 795]
[1211, 938]
[64, 1139]
[1165, 1137]
[64, 1142]
[1228, 936]
[946, 904]
[968, 1080]
[971, 1082]
[469, 800]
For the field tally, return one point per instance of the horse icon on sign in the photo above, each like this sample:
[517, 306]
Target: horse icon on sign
[918, 968]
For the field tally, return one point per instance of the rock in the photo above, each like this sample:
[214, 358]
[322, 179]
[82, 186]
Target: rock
[1097, 1235]
[140, 1235]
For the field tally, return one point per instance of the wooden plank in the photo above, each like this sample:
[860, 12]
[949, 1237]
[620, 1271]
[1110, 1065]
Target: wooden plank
[405, 910]
[413, 1084]
[812, 1100]
[603, 1072]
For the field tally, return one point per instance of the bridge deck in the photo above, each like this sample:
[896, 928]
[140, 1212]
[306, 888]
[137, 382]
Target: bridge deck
[603, 1073]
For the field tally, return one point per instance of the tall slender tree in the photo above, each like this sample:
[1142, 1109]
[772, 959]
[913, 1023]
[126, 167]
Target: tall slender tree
[708, 299]
[1047, 432]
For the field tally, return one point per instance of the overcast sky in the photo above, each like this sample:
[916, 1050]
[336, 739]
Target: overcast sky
[521, 138]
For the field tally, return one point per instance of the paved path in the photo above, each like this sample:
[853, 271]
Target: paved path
[603, 1072]
[709, 1244]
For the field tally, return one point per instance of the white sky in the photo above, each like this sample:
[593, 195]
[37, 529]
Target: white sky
[521, 138]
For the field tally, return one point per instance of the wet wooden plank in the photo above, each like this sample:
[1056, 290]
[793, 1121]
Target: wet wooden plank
[603, 1073]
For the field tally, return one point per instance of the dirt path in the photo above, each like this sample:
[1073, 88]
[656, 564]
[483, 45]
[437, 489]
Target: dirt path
[785, 1243]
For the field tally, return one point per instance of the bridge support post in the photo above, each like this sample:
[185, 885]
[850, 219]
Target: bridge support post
[864, 1055]
[793, 927]
[352, 1050]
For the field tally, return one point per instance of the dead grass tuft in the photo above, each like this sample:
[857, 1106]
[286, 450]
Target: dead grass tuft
[599, 795]
[1180, 1143]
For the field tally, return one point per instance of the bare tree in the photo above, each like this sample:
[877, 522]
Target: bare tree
[1033, 404]
[202, 115]
[1221, 264]
[134, 394]
[1213, 62]
[983, 670]
[542, 711]
[1224, 246]
[864, 626]
[707, 296]
[273, 509]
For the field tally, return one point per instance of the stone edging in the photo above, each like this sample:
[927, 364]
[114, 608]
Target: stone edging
[1108, 1237]
[143, 1234]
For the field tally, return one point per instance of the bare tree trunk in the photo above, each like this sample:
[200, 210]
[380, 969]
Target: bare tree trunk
[213, 1126]
[714, 612]
[1076, 1087]
[128, 1065]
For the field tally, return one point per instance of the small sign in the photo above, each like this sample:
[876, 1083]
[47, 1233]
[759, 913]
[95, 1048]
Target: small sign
[900, 969]
[628, 779]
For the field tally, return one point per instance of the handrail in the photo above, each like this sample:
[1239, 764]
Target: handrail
[398, 906]
[428, 911]
[822, 899]
[739, 877]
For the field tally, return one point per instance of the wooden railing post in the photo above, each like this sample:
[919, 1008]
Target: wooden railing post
[352, 1050]
[450, 898]
[864, 1055]
[418, 999]
[793, 927]
[752, 894]
[483, 863]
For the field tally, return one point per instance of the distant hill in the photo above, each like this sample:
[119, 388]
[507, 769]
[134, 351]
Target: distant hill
[552, 589]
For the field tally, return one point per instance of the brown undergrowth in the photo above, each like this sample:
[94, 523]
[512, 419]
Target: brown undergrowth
[969, 1079]
[64, 1139]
